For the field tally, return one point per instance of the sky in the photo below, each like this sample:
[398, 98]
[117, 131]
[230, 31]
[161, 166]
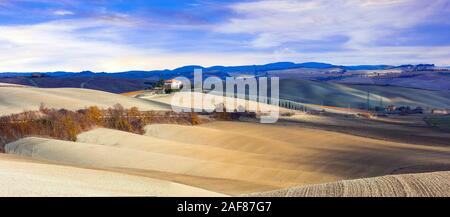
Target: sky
[122, 35]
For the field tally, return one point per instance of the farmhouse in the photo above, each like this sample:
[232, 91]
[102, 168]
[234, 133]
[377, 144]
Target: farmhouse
[391, 108]
[440, 111]
[173, 84]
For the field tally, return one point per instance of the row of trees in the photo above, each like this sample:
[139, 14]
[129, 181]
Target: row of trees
[66, 125]
[224, 115]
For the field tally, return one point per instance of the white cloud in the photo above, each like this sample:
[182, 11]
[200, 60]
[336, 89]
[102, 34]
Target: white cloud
[66, 45]
[105, 43]
[373, 55]
[274, 22]
[63, 13]
[63, 45]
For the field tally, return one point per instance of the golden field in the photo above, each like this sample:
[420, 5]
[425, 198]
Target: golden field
[305, 155]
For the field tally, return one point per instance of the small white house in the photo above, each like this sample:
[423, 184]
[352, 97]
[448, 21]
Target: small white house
[173, 84]
[440, 111]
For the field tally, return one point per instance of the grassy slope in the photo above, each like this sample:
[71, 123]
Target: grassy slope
[332, 94]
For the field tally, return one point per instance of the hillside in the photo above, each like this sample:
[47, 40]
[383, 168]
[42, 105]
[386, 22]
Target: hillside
[235, 158]
[10, 85]
[19, 99]
[333, 94]
[231, 158]
[207, 102]
[408, 185]
[423, 80]
[108, 84]
[22, 177]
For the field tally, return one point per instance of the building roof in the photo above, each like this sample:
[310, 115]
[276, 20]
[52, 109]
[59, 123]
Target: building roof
[171, 81]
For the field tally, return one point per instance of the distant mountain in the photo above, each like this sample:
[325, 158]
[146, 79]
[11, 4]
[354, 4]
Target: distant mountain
[316, 65]
[187, 69]
[13, 74]
[220, 71]
[368, 67]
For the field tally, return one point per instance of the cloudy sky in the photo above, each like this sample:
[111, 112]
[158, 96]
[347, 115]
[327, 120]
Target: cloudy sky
[120, 35]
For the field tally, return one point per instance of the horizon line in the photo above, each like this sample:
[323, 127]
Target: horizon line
[205, 67]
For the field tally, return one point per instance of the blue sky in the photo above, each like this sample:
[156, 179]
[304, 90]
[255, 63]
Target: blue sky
[120, 35]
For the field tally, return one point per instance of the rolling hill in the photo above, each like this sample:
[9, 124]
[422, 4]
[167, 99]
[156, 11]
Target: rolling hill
[424, 80]
[342, 95]
[231, 158]
[19, 99]
[235, 158]
[22, 177]
[227, 157]
[108, 84]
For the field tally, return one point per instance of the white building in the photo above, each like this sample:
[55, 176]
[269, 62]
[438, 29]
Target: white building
[440, 111]
[173, 85]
